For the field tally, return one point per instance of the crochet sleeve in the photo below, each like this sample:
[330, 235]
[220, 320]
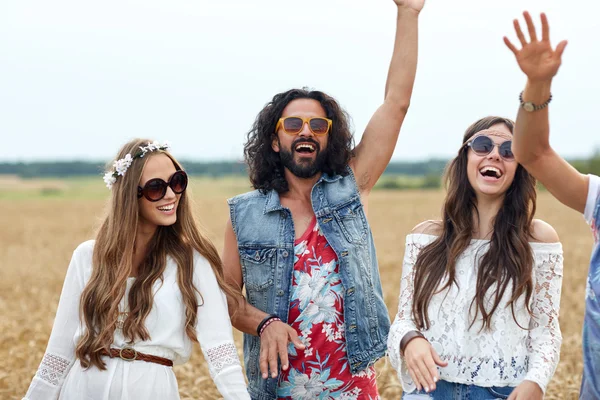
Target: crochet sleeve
[60, 352]
[215, 335]
[544, 339]
[403, 323]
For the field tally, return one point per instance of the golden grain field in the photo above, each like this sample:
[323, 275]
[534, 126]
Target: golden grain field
[39, 234]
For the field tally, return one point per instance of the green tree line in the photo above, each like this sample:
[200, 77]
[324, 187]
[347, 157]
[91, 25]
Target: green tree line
[63, 169]
[427, 173]
[590, 165]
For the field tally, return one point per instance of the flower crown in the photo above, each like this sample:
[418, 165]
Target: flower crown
[120, 166]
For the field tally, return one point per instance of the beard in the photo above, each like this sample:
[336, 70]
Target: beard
[306, 168]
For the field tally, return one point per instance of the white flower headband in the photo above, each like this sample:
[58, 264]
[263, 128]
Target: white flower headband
[120, 166]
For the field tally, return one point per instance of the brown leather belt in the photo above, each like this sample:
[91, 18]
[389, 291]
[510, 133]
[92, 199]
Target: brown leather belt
[130, 354]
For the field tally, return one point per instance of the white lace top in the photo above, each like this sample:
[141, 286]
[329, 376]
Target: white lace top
[60, 375]
[502, 356]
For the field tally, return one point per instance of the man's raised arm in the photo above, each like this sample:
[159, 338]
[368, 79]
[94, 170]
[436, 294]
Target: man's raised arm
[375, 149]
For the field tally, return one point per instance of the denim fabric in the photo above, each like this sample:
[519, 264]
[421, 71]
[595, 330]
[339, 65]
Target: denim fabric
[456, 391]
[590, 385]
[265, 236]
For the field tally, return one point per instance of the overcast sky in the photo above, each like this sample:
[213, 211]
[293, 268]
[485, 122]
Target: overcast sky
[79, 78]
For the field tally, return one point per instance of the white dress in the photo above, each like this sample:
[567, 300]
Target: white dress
[503, 356]
[60, 375]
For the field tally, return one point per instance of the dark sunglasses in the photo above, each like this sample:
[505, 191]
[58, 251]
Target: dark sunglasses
[155, 189]
[483, 145]
[293, 125]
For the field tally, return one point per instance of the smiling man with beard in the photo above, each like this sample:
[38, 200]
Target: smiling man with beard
[315, 320]
[306, 166]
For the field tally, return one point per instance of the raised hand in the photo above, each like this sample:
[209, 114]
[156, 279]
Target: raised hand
[273, 344]
[421, 360]
[416, 5]
[536, 58]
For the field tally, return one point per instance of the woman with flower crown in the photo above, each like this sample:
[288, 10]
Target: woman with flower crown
[135, 299]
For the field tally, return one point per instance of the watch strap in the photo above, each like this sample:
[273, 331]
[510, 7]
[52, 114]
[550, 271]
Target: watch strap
[530, 106]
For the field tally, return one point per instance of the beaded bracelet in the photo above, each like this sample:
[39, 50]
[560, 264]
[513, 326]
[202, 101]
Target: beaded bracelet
[269, 322]
[266, 321]
[530, 106]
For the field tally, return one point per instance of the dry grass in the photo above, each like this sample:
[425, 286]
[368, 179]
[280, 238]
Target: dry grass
[15, 183]
[38, 237]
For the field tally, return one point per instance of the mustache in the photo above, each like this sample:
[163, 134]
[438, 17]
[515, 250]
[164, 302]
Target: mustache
[306, 140]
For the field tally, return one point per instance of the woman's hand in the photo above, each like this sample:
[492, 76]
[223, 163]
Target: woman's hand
[421, 360]
[527, 390]
[536, 58]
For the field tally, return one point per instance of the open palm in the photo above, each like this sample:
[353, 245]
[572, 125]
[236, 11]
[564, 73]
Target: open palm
[536, 58]
[416, 5]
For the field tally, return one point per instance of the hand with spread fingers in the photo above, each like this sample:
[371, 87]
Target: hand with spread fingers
[421, 360]
[536, 58]
[416, 5]
[527, 390]
[274, 344]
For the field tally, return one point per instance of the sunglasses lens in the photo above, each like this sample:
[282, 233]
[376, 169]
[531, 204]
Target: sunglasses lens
[482, 145]
[506, 150]
[155, 189]
[319, 126]
[179, 182]
[292, 124]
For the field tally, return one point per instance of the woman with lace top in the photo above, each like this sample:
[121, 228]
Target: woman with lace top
[480, 290]
[135, 299]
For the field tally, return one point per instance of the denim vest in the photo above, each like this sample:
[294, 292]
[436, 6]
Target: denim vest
[590, 384]
[265, 236]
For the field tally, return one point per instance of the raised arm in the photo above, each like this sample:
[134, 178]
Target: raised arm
[375, 149]
[531, 145]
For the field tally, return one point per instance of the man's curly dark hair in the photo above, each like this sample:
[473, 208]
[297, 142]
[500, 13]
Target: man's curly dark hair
[264, 164]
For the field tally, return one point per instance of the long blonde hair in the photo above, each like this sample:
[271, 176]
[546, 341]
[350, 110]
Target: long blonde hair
[113, 263]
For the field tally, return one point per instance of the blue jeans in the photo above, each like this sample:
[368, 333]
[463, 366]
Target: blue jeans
[457, 391]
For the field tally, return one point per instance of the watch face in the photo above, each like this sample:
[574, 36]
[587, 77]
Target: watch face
[528, 106]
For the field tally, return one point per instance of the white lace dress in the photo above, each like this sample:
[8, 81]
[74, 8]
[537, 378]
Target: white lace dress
[60, 375]
[503, 356]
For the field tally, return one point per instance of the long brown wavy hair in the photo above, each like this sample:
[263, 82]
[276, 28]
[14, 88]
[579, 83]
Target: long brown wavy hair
[509, 258]
[113, 261]
[265, 168]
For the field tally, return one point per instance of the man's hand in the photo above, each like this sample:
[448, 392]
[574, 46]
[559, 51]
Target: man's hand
[527, 390]
[536, 58]
[421, 359]
[416, 5]
[274, 342]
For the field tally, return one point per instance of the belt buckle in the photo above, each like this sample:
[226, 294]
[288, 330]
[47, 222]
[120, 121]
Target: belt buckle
[125, 358]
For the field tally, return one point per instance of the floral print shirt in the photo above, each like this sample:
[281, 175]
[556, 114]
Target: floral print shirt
[320, 371]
